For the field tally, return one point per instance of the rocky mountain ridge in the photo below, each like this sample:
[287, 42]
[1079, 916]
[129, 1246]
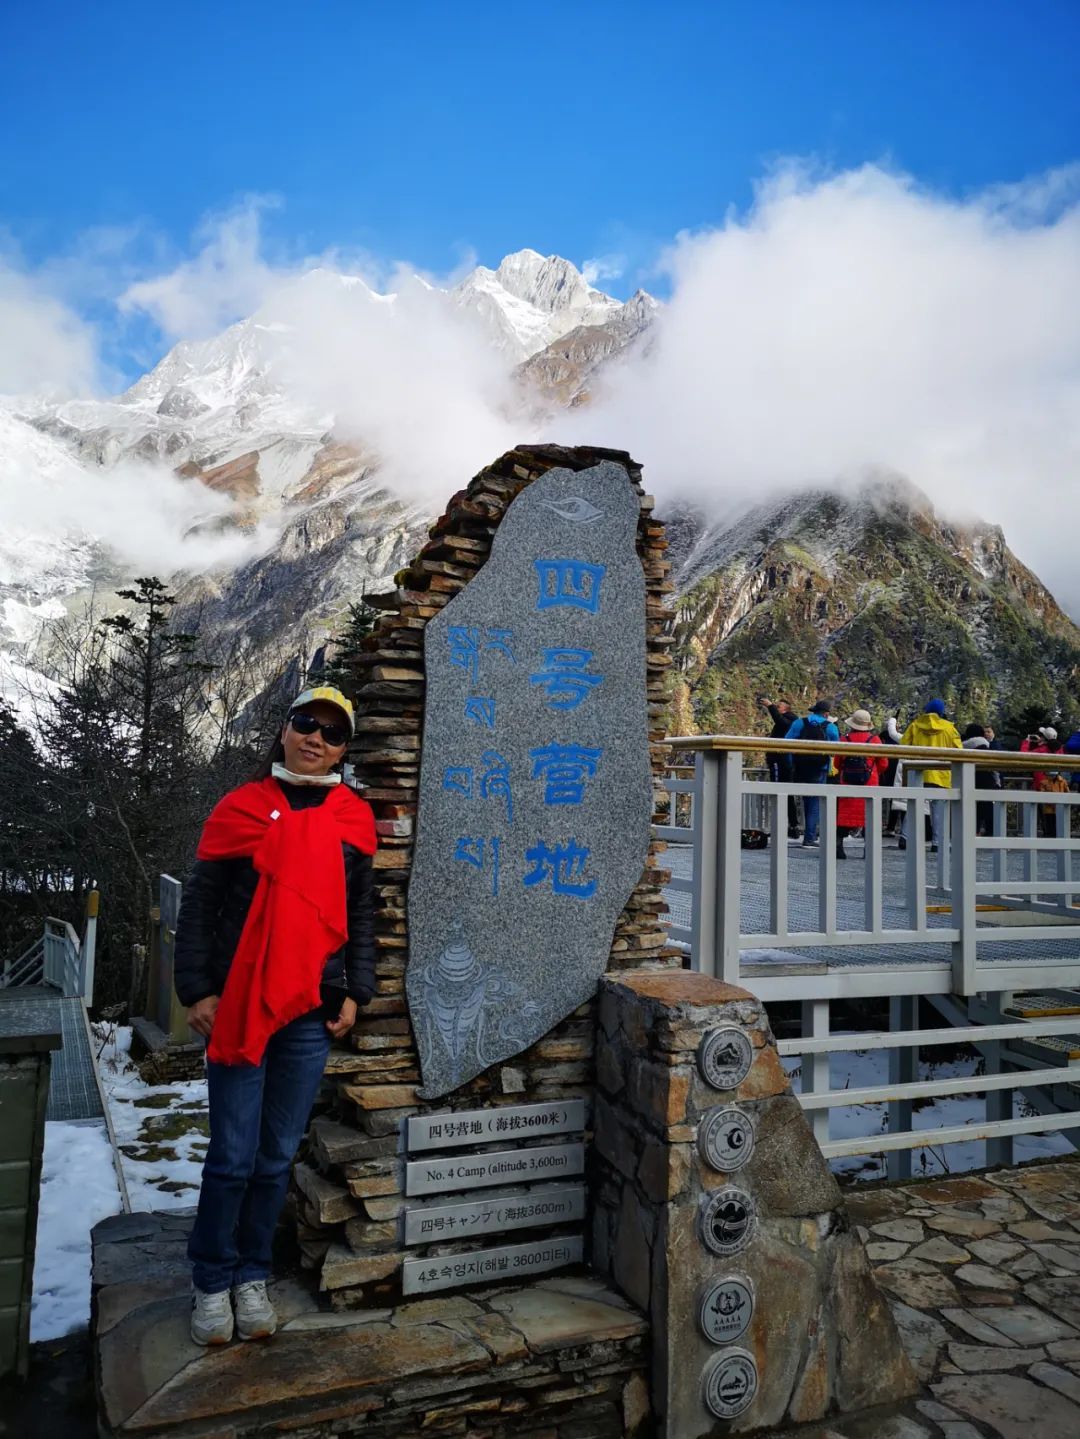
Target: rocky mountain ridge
[224, 412]
[866, 593]
[869, 597]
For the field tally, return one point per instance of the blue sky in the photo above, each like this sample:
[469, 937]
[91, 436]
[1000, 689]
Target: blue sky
[428, 132]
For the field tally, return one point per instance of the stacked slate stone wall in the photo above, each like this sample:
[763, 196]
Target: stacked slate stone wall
[746, 1235]
[348, 1191]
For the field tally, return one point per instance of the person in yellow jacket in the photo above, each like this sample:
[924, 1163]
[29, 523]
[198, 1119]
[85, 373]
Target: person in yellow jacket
[932, 729]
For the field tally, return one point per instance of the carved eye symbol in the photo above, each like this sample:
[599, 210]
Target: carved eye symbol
[577, 510]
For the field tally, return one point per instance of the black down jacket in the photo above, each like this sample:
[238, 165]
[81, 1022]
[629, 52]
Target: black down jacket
[215, 904]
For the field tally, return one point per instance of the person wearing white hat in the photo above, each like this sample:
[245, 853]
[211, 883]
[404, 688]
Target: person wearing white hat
[855, 769]
[1044, 741]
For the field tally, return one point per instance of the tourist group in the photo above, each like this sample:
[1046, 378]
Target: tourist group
[930, 729]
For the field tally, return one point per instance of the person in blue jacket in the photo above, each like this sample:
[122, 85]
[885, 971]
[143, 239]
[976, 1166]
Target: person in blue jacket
[1072, 746]
[813, 768]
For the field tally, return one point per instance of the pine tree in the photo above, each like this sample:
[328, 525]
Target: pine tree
[334, 664]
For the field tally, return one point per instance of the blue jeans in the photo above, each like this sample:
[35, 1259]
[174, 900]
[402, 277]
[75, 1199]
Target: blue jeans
[258, 1114]
[812, 816]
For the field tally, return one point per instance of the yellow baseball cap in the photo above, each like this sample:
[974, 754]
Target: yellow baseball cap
[327, 695]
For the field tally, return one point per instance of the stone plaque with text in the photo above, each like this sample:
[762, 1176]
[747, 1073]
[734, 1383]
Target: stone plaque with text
[502, 1166]
[487, 1266]
[535, 786]
[538, 1208]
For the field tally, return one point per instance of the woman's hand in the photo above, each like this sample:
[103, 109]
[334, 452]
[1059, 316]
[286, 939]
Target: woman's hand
[346, 1019]
[201, 1016]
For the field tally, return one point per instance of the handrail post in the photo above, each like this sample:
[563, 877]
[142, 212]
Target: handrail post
[999, 1102]
[729, 868]
[815, 1067]
[903, 1069]
[705, 826]
[945, 809]
[88, 948]
[778, 864]
[872, 853]
[964, 874]
[717, 864]
[915, 833]
[827, 861]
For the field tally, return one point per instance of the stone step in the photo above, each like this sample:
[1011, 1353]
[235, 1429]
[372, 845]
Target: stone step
[505, 1360]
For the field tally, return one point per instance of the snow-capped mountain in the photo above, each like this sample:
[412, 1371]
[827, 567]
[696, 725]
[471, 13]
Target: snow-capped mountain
[239, 469]
[530, 301]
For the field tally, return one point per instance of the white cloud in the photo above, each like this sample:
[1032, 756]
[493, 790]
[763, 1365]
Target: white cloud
[858, 321]
[149, 517]
[847, 322]
[603, 267]
[417, 380]
[225, 280]
[45, 346]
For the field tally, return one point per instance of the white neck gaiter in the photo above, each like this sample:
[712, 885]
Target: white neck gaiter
[321, 781]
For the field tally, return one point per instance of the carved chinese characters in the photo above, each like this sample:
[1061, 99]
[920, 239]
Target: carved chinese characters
[535, 794]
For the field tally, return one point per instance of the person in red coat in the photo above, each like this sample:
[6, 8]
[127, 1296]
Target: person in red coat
[856, 769]
[274, 955]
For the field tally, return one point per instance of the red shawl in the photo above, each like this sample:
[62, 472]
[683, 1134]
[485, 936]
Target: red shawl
[298, 917]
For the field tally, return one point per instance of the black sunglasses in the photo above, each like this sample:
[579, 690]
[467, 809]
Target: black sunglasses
[333, 734]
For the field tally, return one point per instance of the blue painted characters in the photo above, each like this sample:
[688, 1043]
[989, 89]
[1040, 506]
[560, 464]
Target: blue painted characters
[468, 642]
[495, 781]
[481, 851]
[565, 678]
[565, 769]
[491, 781]
[571, 584]
[535, 792]
[481, 710]
[562, 864]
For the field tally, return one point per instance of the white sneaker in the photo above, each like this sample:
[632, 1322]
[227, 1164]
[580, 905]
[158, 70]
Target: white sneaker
[255, 1317]
[211, 1317]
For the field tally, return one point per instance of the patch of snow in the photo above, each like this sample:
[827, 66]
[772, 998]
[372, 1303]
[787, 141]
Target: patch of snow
[78, 1188]
[162, 1170]
[858, 1069]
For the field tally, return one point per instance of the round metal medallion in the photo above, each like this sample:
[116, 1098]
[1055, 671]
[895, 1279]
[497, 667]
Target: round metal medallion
[724, 1058]
[726, 1139]
[727, 1306]
[729, 1383]
[726, 1220]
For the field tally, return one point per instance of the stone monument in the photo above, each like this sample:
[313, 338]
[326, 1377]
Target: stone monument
[509, 696]
[535, 788]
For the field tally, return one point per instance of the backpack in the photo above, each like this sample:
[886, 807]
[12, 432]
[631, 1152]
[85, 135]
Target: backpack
[855, 769]
[809, 768]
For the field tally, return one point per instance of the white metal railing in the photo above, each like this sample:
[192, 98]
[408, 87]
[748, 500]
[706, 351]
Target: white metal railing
[719, 791]
[62, 965]
[919, 948]
[25, 968]
[58, 958]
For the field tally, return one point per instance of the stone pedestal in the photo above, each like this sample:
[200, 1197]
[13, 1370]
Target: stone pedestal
[714, 1210]
[562, 1358]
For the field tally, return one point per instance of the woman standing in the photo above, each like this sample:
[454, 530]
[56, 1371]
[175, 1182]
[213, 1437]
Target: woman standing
[894, 809]
[974, 737]
[856, 769]
[274, 954]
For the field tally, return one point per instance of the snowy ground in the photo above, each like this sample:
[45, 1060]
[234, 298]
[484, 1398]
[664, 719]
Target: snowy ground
[161, 1132]
[78, 1188]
